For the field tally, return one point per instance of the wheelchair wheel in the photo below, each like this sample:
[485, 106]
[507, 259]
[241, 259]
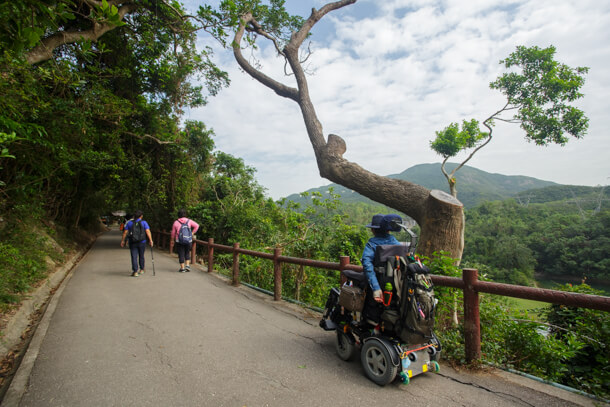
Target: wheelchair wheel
[435, 350]
[377, 363]
[344, 346]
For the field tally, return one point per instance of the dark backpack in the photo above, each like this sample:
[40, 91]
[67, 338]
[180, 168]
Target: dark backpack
[137, 233]
[185, 235]
[418, 305]
[412, 309]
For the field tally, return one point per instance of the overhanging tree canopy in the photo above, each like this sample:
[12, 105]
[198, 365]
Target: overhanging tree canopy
[93, 92]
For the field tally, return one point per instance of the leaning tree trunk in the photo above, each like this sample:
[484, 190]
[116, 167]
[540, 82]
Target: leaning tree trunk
[439, 215]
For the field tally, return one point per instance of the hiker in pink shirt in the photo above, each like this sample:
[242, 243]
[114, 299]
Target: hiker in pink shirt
[183, 233]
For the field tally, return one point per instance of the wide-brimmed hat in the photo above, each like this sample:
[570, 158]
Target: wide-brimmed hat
[376, 221]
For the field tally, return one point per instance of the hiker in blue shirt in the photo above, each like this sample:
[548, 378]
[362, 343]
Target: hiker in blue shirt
[381, 237]
[137, 242]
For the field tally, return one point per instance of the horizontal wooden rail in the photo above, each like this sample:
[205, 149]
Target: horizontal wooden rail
[469, 283]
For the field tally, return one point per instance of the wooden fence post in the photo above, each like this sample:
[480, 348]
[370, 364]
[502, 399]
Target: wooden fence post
[210, 254]
[472, 323]
[277, 274]
[236, 264]
[194, 253]
[343, 261]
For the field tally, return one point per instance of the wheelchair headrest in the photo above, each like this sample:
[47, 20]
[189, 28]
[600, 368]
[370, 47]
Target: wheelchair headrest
[391, 223]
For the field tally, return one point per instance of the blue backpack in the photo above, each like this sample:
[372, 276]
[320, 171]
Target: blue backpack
[185, 235]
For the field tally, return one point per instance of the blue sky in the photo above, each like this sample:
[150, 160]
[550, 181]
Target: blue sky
[387, 74]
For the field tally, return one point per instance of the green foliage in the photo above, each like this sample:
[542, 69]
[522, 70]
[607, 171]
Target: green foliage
[272, 17]
[233, 208]
[98, 128]
[511, 339]
[451, 140]
[27, 21]
[587, 367]
[442, 264]
[6, 139]
[510, 242]
[19, 272]
[541, 93]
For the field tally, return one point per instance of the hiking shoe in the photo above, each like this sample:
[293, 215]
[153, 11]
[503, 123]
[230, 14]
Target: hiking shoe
[188, 268]
[182, 271]
[135, 274]
[141, 272]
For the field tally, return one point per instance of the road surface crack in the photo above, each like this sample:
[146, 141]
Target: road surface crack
[478, 386]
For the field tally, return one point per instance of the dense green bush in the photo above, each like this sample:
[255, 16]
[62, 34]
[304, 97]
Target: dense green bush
[587, 368]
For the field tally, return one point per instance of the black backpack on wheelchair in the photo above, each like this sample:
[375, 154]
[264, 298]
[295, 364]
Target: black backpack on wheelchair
[411, 310]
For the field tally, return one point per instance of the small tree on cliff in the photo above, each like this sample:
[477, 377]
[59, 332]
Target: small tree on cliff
[539, 95]
[439, 215]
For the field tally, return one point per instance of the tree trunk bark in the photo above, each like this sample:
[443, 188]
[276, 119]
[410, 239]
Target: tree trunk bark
[442, 226]
[439, 215]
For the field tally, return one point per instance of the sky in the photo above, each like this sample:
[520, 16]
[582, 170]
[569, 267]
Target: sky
[386, 75]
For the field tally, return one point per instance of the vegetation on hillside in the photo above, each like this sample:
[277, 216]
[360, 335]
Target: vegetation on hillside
[511, 242]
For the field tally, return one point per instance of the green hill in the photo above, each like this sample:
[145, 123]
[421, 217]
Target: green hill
[474, 186]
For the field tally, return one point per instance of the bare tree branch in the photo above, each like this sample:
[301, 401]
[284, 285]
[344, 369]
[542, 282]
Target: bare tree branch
[277, 87]
[145, 136]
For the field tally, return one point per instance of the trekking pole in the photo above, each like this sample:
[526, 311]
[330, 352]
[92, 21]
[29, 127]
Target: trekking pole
[153, 259]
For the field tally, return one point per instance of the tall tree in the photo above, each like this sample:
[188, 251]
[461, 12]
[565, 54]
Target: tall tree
[439, 215]
[539, 93]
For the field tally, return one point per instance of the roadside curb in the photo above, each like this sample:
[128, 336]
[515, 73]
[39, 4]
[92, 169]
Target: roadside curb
[46, 296]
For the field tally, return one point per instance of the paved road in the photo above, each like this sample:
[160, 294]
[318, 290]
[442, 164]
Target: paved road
[190, 339]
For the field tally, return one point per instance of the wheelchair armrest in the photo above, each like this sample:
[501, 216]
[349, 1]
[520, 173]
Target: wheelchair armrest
[354, 275]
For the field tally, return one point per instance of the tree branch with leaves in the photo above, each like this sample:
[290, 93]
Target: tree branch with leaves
[539, 96]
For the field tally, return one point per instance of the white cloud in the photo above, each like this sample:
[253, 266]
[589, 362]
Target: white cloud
[387, 81]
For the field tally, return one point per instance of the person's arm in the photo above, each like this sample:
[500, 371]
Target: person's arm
[194, 227]
[368, 255]
[149, 237]
[125, 230]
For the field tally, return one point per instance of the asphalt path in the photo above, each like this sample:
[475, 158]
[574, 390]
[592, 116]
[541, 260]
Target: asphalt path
[191, 339]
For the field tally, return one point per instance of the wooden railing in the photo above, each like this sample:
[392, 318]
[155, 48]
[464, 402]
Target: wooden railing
[469, 283]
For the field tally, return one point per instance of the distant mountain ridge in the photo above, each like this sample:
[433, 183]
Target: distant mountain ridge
[474, 186]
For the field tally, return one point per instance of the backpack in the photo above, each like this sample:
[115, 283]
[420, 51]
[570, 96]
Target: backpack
[411, 311]
[185, 235]
[137, 233]
[418, 305]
